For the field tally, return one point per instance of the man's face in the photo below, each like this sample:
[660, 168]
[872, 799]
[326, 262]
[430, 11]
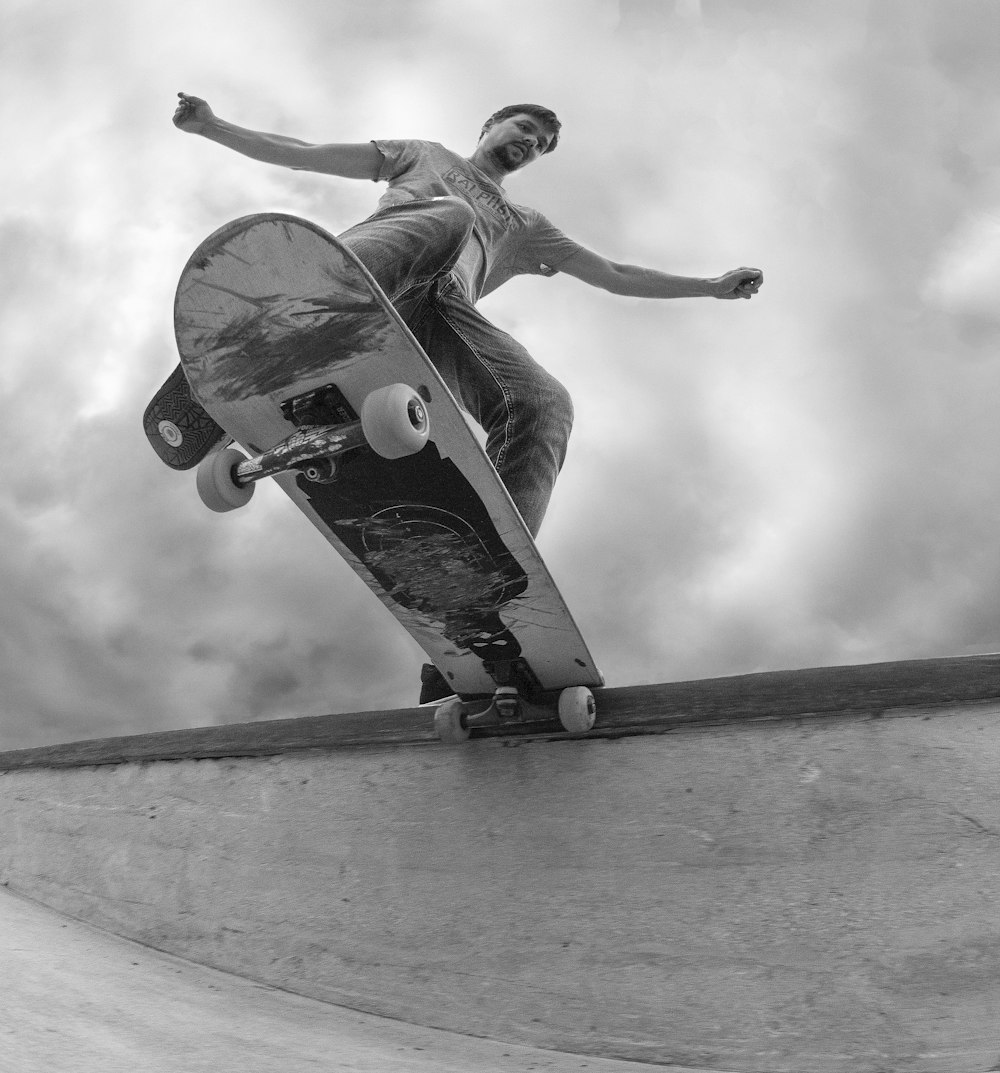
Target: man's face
[516, 141]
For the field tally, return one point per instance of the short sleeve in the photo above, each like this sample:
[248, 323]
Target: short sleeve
[398, 157]
[543, 248]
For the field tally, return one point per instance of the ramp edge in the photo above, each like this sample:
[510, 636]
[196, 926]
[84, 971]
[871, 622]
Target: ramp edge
[859, 691]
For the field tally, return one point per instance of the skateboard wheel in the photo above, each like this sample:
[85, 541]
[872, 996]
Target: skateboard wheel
[577, 709]
[395, 421]
[216, 486]
[448, 722]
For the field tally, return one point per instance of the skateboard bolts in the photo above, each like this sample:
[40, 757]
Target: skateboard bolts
[320, 470]
[418, 415]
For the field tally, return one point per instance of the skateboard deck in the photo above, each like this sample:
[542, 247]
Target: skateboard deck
[285, 338]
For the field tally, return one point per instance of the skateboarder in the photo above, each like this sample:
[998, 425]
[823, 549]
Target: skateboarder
[445, 234]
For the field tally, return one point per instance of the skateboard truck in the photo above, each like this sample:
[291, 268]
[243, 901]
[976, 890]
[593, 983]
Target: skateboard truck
[575, 706]
[394, 422]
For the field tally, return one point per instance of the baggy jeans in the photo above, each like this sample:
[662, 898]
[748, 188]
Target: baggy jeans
[525, 412]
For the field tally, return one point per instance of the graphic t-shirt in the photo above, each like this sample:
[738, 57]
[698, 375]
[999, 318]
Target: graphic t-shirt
[508, 240]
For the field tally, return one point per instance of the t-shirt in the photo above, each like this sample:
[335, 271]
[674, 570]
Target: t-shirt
[508, 240]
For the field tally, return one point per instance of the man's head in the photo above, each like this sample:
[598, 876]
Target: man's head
[515, 136]
[544, 119]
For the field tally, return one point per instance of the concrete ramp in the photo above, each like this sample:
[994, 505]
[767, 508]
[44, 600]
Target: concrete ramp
[766, 874]
[78, 999]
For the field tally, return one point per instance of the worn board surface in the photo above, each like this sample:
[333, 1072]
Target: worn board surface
[270, 307]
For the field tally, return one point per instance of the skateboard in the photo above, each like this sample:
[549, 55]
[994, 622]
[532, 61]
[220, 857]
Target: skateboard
[288, 344]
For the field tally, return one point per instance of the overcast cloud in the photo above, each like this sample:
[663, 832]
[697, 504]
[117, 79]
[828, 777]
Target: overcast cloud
[810, 478]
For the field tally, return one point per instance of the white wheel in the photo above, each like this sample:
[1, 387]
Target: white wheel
[577, 709]
[395, 421]
[218, 490]
[448, 722]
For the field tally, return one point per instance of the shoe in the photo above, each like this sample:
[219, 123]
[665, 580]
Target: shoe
[433, 685]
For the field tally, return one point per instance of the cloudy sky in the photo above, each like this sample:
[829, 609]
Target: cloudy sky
[810, 478]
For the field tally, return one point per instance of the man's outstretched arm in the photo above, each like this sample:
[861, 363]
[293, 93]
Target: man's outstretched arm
[637, 282]
[350, 161]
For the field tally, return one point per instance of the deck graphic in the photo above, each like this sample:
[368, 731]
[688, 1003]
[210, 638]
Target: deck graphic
[439, 556]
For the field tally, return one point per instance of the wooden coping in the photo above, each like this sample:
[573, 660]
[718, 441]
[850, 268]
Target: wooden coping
[867, 691]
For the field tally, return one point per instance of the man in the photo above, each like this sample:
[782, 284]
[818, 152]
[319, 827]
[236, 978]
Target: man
[445, 234]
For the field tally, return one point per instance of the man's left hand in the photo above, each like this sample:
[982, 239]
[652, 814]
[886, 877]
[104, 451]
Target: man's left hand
[740, 283]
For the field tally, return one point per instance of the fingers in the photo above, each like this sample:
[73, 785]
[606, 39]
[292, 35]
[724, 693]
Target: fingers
[184, 108]
[187, 108]
[751, 283]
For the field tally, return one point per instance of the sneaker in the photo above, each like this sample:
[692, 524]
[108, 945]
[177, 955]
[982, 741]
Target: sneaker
[433, 685]
[177, 426]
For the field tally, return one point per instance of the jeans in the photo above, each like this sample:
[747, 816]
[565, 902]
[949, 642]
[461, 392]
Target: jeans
[526, 413]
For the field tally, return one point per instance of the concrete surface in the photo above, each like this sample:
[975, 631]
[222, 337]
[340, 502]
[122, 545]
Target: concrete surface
[78, 1000]
[787, 895]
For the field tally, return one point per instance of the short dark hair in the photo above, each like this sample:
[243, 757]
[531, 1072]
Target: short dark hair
[545, 116]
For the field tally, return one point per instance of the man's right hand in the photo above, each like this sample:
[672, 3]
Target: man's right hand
[350, 161]
[193, 114]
